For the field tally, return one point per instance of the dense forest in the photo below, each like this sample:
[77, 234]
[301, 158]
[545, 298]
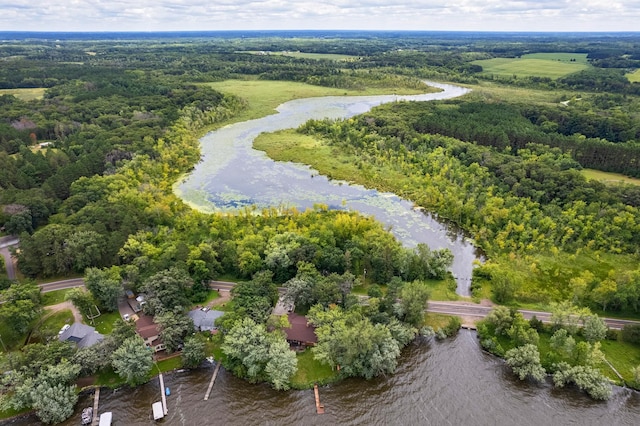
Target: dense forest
[88, 165]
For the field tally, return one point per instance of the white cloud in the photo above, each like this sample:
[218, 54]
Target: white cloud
[159, 15]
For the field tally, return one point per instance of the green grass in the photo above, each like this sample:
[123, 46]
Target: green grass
[264, 96]
[570, 58]
[56, 320]
[104, 323]
[48, 327]
[213, 295]
[551, 65]
[436, 321]
[489, 91]
[606, 177]
[109, 378]
[311, 371]
[25, 94]
[634, 77]
[623, 356]
[165, 365]
[443, 290]
[213, 346]
[54, 297]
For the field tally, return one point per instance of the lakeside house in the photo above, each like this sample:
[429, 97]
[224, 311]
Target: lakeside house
[301, 333]
[150, 333]
[80, 334]
[204, 319]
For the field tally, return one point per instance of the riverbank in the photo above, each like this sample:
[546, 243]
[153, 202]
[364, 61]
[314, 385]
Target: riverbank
[262, 98]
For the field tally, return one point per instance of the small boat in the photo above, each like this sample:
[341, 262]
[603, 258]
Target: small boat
[158, 412]
[105, 418]
[87, 416]
[167, 391]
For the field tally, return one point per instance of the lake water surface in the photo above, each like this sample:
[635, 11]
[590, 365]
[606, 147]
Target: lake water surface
[451, 382]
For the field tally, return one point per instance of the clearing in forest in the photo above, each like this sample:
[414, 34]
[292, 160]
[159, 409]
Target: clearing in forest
[551, 65]
[28, 94]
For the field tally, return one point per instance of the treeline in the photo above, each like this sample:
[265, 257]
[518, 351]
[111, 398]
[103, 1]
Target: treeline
[601, 140]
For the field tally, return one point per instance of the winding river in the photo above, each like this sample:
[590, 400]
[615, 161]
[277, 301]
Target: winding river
[233, 175]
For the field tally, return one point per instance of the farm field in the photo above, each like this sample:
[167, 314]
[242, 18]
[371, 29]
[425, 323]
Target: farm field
[551, 65]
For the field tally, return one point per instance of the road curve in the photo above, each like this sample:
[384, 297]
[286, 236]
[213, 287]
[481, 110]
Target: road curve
[5, 243]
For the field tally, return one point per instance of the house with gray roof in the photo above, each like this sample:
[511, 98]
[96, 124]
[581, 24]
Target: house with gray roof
[204, 318]
[80, 334]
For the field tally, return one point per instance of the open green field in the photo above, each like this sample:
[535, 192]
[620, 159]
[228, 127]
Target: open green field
[606, 177]
[634, 77]
[569, 57]
[326, 56]
[25, 94]
[264, 96]
[551, 65]
[489, 91]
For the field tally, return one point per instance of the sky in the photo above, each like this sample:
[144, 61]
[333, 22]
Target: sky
[216, 15]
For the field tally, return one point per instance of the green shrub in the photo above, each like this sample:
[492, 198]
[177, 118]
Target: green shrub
[631, 333]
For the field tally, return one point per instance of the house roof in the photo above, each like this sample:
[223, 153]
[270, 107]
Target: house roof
[146, 327]
[300, 329]
[204, 319]
[81, 334]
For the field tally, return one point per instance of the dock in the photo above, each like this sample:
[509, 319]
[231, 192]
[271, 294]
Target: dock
[96, 401]
[319, 406]
[213, 379]
[163, 395]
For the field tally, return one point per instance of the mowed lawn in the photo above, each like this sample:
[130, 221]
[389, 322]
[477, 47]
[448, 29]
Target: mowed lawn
[551, 65]
[25, 94]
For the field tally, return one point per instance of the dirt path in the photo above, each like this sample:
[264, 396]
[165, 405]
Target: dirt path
[225, 296]
[61, 307]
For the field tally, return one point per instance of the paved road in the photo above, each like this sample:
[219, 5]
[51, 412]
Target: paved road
[5, 243]
[468, 309]
[61, 285]
[463, 309]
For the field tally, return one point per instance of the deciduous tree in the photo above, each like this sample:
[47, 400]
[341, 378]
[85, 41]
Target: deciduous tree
[132, 360]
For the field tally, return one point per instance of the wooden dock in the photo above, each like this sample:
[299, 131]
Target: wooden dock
[213, 379]
[96, 401]
[163, 395]
[319, 406]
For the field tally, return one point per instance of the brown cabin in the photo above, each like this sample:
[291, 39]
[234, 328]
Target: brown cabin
[301, 333]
